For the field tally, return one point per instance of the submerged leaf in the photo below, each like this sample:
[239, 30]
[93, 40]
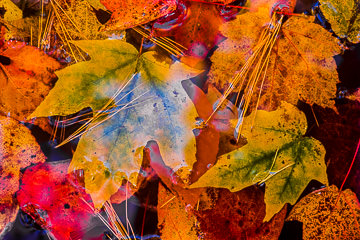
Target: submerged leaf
[166, 115]
[197, 32]
[277, 153]
[325, 216]
[344, 17]
[339, 132]
[238, 215]
[301, 64]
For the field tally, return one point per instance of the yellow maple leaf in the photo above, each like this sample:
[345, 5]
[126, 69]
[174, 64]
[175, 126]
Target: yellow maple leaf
[301, 64]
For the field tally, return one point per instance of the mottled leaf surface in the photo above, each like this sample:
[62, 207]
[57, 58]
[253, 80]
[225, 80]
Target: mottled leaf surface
[344, 17]
[301, 63]
[299, 159]
[325, 216]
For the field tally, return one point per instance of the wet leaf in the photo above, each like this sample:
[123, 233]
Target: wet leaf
[339, 132]
[18, 149]
[238, 215]
[12, 12]
[166, 115]
[220, 213]
[277, 153]
[80, 21]
[176, 222]
[7, 216]
[344, 18]
[55, 199]
[197, 32]
[130, 13]
[301, 63]
[26, 80]
[324, 216]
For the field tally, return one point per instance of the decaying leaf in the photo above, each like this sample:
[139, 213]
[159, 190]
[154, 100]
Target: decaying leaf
[55, 200]
[277, 153]
[18, 149]
[7, 217]
[344, 17]
[77, 21]
[12, 12]
[301, 63]
[238, 215]
[24, 29]
[166, 115]
[176, 222]
[130, 13]
[26, 80]
[325, 216]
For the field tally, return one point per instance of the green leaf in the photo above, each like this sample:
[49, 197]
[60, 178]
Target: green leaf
[112, 151]
[344, 17]
[277, 153]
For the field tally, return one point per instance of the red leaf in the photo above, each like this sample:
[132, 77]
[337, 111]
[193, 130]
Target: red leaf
[53, 199]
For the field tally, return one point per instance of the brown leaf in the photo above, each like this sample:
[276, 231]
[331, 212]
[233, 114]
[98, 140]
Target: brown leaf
[339, 132]
[239, 215]
[324, 216]
[26, 81]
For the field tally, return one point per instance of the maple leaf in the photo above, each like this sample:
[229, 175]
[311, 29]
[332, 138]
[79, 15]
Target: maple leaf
[277, 153]
[112, 151]
[221, 213]
[130, 13]
[79, 20]
[18, 149]
[55, 200]
[26, 80]
[301, 64]
[344, 18]
[325, 214]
